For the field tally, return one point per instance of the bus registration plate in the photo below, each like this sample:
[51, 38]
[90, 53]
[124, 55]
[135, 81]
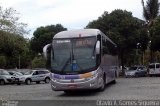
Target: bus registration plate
[72, 86]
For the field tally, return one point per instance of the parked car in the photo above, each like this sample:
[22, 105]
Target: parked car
[15, 73]
[34, 76]
[154, 69]
[136, 71]
[121, 70]
[5, 77]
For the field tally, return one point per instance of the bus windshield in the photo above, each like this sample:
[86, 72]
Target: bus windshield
[74, 55]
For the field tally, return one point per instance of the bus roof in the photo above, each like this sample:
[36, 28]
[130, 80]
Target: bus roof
[77, 33]
[81, 33]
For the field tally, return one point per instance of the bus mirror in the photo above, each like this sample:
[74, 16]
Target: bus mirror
[98, 47]
[45, 49]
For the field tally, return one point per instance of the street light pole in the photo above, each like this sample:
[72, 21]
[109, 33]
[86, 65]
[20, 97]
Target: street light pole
[19, 61]
[138, 47]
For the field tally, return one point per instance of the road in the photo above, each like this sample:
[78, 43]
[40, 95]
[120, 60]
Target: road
[146, 88]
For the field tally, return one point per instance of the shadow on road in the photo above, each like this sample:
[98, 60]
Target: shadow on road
[80, 93]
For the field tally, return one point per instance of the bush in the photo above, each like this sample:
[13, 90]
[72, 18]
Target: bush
[38, 62]
[2, 61]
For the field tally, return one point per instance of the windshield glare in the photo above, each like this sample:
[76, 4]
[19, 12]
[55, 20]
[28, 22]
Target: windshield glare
[18, 73]
[151, 66]
[73, 55]
[132, 68]
[28, 72]
[5, 73]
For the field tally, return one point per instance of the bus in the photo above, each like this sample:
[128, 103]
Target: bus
[82, 59]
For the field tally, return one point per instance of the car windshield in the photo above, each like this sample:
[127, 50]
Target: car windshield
[151, 66]
[132, 68]
[28, 73]
[18, 73]
[4, 72]
[73, 55]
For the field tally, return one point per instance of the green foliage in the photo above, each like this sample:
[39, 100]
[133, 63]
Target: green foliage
[38, 62]
[124, 29]
[43, 36]
[155, 33]
[150, 11]
[2, 61]
[12, 46]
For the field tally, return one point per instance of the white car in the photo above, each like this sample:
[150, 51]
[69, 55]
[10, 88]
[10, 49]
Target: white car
[34, 76]
[5, 77]
[136, 71]
[154, 69]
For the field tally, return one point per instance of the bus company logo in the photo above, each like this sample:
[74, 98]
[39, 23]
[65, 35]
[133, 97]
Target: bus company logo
[72, 80]
[62, 77]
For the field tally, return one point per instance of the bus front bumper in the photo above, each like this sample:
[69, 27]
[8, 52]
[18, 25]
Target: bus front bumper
[92, 83]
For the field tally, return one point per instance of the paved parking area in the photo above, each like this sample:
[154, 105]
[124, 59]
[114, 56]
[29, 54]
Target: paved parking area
[145, 88]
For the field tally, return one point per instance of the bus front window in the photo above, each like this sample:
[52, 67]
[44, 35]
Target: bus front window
[75, 55]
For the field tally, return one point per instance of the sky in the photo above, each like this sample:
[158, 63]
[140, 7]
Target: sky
[72, 14]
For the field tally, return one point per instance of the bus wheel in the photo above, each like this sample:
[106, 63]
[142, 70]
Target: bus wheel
[114, 82]
[68, 92]
[102, 88]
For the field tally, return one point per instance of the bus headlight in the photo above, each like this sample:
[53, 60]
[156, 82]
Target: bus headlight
[94, 74]
[54, 80]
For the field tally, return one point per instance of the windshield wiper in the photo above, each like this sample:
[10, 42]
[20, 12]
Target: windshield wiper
[66, 64]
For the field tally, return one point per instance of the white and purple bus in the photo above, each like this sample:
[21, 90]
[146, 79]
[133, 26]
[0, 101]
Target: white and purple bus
[82, 59]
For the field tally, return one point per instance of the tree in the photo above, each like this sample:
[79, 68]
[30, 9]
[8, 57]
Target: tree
[155, 32]
[123, 29]
[150, 12]
[9, 22]
[38, 62]
[2, 61]
[43, 36]
[12, 46]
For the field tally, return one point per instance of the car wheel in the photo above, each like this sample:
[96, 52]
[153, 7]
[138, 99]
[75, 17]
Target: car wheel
[136, 75]
[2, 82]
[28, 81]
[47, 80]
[18, 83]
[37, 82]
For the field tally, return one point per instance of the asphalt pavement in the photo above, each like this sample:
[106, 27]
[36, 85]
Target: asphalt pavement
[145, 88]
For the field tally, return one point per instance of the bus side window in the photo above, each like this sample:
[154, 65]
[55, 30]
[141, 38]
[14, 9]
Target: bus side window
[112, 48]
[157, 65]
[105, 49]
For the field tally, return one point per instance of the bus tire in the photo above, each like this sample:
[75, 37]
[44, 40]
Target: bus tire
[116, 74]
[68, 92]
[102, 88]
[114, 81]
